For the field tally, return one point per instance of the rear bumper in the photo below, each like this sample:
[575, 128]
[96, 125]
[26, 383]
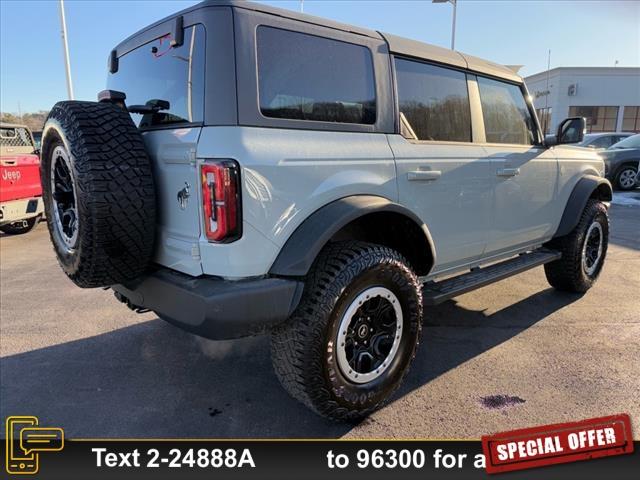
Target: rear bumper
[212, 307]
[22, 209]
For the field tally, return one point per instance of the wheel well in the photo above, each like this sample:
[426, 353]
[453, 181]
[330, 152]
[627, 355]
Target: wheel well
[393, 230]
[602, 192]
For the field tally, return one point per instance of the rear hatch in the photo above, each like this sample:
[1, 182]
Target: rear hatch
[160, 74]
[19, 165]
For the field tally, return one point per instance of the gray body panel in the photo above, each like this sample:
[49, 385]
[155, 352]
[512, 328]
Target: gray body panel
[455, 206]
[174, 168]
[286, 176]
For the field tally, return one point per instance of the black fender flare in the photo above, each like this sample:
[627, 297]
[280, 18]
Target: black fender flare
[583, 190]
[305, 243]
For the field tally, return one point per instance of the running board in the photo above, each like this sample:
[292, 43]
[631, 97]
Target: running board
[434, 293]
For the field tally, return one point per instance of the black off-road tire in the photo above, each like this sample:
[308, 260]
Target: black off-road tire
[20, 227]
[568, 273]
[113, 189]
[303, 350]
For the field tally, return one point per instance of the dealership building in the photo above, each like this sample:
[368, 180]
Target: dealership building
[609, 97]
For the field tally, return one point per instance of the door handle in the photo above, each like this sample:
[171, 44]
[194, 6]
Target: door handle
[424, 175]
[508, 172]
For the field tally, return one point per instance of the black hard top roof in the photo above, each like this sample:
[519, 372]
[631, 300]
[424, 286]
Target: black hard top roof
[398, 45]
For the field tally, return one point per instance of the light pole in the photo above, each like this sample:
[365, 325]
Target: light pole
[453, 23]
[65, 46]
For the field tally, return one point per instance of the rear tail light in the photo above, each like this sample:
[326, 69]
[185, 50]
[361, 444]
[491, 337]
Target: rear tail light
[221, 200]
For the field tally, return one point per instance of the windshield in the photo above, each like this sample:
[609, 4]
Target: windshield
[629, 142]
[156, 71]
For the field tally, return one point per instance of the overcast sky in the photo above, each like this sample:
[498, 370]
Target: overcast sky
[579, 33]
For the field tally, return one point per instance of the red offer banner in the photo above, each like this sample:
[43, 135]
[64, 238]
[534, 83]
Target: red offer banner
[559, 443]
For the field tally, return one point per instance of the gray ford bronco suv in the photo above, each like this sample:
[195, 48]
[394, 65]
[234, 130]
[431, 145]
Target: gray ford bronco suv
[254, 170]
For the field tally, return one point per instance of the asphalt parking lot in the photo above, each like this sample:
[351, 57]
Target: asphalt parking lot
[514, 354]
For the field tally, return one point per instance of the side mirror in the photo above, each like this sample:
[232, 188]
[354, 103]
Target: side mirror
[570, 130]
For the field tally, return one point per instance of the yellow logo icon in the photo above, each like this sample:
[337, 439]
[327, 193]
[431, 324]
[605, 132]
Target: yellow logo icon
[25, 441]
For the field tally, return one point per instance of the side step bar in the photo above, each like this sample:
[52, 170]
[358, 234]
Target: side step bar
[434, 293]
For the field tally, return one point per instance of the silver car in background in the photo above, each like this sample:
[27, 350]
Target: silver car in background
[621, 162]
[602, 140]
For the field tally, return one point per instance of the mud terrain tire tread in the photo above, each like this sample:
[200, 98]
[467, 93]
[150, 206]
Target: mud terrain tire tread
[114, 191]
[567, 274]
[298, 346]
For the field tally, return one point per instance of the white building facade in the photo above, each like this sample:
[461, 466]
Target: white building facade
[609, 97]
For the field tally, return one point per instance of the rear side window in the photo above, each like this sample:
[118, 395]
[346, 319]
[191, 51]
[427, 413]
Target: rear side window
[506, 116]
[15, 137]
[603, 142]
[157, 71]
[433, 102]
[305, 77]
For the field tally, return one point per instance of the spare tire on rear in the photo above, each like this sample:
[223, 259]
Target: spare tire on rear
[98, 192]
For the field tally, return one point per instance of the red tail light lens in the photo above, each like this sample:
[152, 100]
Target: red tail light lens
[221, 200]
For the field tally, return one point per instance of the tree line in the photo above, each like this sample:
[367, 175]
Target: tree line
[35, 121]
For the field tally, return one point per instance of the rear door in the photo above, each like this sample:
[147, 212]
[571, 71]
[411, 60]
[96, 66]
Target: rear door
[19, 166]
[175, 74]
[442, 175]
[525, 173]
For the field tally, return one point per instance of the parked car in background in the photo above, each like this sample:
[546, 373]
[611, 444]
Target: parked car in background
[602, 140]
[621, 162]
[37, 138]
[20, 192]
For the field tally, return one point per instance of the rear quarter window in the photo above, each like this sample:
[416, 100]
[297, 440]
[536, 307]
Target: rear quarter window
[157, 71]
[306, 77]
[15, 137]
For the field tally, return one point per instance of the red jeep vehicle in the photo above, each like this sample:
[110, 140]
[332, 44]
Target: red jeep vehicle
[20, 192]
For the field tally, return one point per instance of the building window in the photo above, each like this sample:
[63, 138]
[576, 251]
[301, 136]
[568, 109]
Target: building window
[631, 119]
[599, 119]
[505, 112]
[544, 117]
[434, 102]
[305, 77]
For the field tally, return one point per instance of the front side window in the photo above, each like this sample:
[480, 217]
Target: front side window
[305, 77]
[156, 71]
[506, 115]
[433, 102]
